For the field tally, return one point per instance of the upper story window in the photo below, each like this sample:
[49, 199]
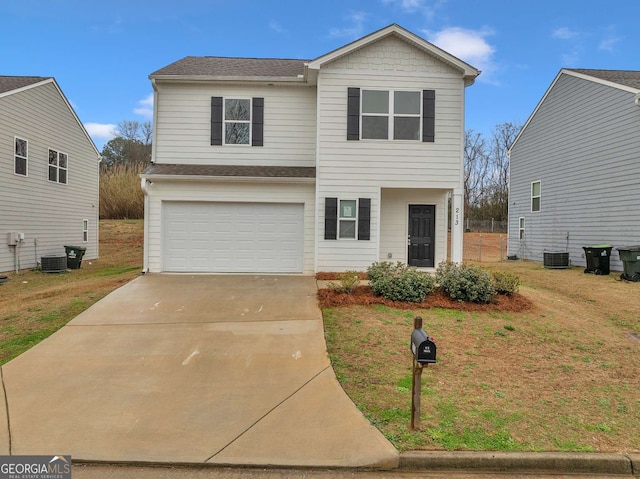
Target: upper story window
[21, 156]
[58, 167]
[237, 121]
[391, 115]
[535, 196]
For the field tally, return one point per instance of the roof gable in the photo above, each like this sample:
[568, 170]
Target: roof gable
[621, 79]
[10, 85]
[468, 72]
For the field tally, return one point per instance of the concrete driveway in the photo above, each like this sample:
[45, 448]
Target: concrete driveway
[190, 369]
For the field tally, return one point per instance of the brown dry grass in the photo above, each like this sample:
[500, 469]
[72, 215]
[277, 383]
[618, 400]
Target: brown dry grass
[120, 194]
[562, 375]
[33, 305]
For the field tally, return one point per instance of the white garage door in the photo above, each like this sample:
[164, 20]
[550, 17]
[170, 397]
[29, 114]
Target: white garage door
[232, 237]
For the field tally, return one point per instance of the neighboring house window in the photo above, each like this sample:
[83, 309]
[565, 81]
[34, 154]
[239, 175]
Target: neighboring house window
[237, 121]
[58, 164]
[521, 228]
[390, 114]
[21, 155]
[85, 231]
[347, 219]
[535, 196]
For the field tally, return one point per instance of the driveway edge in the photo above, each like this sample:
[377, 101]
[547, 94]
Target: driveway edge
[531, 462]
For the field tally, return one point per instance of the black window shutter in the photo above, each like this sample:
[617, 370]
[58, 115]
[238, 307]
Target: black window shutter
[257, 122]
[353, 113]
[216, 120]
[428, 115]
[330, 218]
[364, 219]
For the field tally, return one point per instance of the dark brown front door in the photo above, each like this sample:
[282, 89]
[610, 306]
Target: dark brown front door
[421, 235]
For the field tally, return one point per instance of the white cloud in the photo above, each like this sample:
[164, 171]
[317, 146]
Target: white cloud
[468, 45]
[564, 33]
[406, 5]
[355, 30]
[145, 107]
[103, 131]
[428, 8]
[276, 27]
[608, 43]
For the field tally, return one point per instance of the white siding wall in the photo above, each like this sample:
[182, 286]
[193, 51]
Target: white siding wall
[46, 212]
[183, 128]
[394, 220]
[227, 191]
[583, 144]
[352, 169]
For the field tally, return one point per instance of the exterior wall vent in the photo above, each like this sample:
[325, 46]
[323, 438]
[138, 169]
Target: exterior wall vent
[54, 263]
[556, 259]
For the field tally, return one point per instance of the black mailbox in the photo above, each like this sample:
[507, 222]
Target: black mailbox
[423, 347]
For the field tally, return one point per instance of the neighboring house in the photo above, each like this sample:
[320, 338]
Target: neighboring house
[300, 166]
[48, 174]
[575, 167]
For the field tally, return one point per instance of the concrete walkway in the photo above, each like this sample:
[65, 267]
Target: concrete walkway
[190, 369]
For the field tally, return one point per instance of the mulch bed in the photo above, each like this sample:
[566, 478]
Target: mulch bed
[363, 295]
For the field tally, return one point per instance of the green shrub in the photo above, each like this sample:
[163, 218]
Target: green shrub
[349, 280]
[465, 282]
[400, 282]
[505, 283]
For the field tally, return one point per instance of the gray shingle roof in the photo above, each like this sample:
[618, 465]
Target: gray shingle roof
[8, 83]
[252, 171]
[630, 78]
[234, 67]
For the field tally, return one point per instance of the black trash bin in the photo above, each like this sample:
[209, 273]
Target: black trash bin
[630, 257]
[74, 256]
[597, 258]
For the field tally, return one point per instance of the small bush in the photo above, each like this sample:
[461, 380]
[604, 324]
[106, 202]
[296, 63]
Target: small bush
[505, 283]
[349, 280]
[400, 282]
[465, 282]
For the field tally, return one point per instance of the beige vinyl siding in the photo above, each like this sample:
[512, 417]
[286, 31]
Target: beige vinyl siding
[183, 128]
[583, 145]
[250, 192]
[394, 220]
[50, 213]
[348, 169]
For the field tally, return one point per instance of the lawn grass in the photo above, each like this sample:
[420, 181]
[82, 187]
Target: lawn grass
[563, 376]
[34, 305]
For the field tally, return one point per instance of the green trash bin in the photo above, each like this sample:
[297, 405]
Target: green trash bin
[630, 257]
[74, 256]
[597, 257]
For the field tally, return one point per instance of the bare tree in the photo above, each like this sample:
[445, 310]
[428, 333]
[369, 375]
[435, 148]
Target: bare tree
[132, 145]
[476, 168]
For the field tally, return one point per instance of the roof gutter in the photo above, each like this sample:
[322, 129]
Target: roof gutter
[146, 179]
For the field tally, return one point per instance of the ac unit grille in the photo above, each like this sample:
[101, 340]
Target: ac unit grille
[54, 263]
[556, 260]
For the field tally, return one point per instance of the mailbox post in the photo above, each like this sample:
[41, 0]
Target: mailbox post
[424, 353]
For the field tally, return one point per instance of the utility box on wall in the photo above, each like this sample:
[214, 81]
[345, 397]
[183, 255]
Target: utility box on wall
[13, 238]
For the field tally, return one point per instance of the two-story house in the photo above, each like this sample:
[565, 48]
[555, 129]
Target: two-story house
[49, 174]
[300, 166]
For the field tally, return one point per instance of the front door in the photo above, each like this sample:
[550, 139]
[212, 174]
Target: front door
[421, 235]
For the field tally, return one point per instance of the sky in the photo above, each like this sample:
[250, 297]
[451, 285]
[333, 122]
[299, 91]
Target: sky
[101, 52]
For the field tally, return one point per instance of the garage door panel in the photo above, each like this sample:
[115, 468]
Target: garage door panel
[232, 237]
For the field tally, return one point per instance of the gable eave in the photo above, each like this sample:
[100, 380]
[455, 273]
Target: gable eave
[469, 72]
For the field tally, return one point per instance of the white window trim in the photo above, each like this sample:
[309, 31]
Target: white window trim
[15, 155]
[391, 115]
[85, 231]
[539, 196]
[354, 219]
[521, 227]
[225, 121]
[58, 167]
